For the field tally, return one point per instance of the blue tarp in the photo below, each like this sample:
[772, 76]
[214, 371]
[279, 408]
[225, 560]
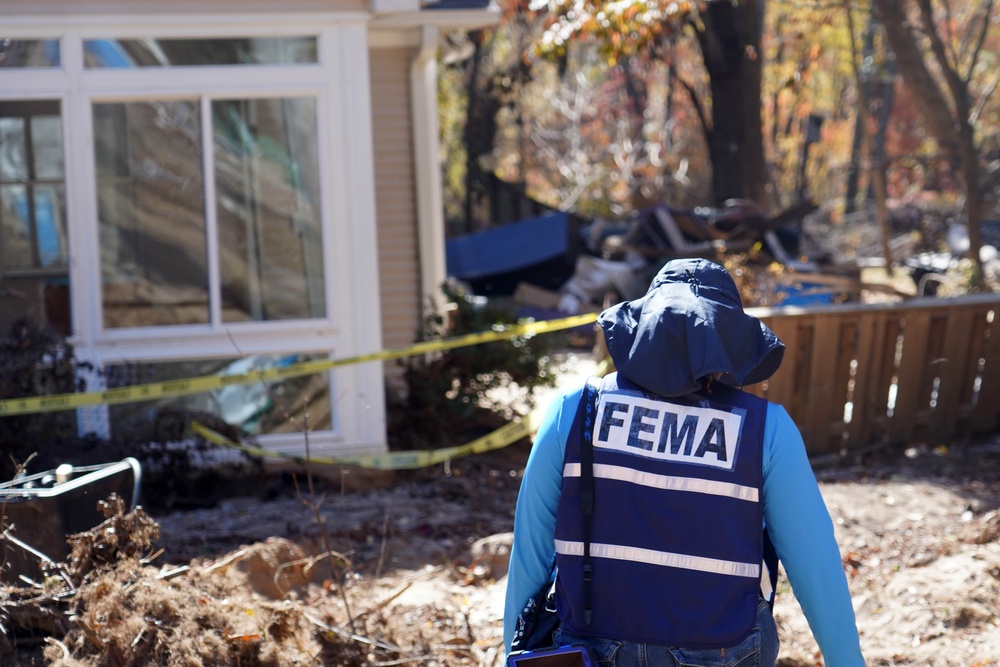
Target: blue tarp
[806, 294]
[50, 250]
[512, 247]
[107, 53]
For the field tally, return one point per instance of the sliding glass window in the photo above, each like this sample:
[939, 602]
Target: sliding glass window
[151, 213]
[34, 249]
[267, 201]
[154, 222]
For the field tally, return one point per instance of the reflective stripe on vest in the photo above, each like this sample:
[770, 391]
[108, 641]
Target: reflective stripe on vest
[651, 557]
[673, 483]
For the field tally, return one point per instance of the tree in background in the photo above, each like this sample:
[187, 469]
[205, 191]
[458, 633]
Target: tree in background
[728, 35]
[874, 69]
[875, 85]
[608, 108]
[481, 74]
[484, 94]
[627, 104]
[578, 128]
[808, 85]
[942, 80]
[605, 140]
[730, 39]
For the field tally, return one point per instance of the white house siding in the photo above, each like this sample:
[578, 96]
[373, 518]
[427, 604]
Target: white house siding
[340, 86]
[395, 195]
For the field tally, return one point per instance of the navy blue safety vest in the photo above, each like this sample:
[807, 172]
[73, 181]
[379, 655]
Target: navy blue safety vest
[676, 534]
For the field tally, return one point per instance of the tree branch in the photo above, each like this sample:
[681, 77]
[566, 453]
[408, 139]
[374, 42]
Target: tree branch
[699, 108]
[959, 91]
[987, 10]
[974, 116]
[949, 23]
[928, 96]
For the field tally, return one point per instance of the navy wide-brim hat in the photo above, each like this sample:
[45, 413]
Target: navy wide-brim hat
[689, 325]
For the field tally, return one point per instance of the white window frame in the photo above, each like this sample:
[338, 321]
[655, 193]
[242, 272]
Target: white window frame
[340, 84]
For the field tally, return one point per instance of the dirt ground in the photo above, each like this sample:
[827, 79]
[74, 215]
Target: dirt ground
[408, 568]
[414, 571]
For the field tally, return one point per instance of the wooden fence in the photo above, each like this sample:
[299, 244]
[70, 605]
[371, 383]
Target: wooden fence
[926, 370]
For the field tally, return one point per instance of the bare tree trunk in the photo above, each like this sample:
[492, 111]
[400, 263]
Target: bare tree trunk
[968, 157]
[477, 136]
[876, 166]
[862, 77]
[730, 47]
[877, 175]
[952, 130]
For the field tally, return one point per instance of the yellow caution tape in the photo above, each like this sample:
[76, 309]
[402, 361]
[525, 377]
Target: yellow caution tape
[145, 392]
[498, 439]
[405, 460]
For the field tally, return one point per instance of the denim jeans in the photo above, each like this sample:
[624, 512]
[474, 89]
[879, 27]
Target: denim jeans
[758, 649]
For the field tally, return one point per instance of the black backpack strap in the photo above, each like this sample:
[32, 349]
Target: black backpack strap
[769, 577]
[589, 405]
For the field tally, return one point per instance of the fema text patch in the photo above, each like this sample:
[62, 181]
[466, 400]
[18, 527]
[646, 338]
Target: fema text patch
[637, 425]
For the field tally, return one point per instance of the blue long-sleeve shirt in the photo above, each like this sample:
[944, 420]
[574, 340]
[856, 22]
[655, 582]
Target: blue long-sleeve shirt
[798, 524]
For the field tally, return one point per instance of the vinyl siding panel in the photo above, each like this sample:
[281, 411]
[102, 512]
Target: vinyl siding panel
[395, 195]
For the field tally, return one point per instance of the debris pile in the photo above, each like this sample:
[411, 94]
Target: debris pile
[556, 265]
[264, 583]
[108, 605]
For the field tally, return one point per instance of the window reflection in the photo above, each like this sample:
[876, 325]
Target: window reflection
[31, 186]
[267, 186]
[29, 52]
[260, 408]
[34, 255]
[152, 216]
[151, 213]
[122, 53]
